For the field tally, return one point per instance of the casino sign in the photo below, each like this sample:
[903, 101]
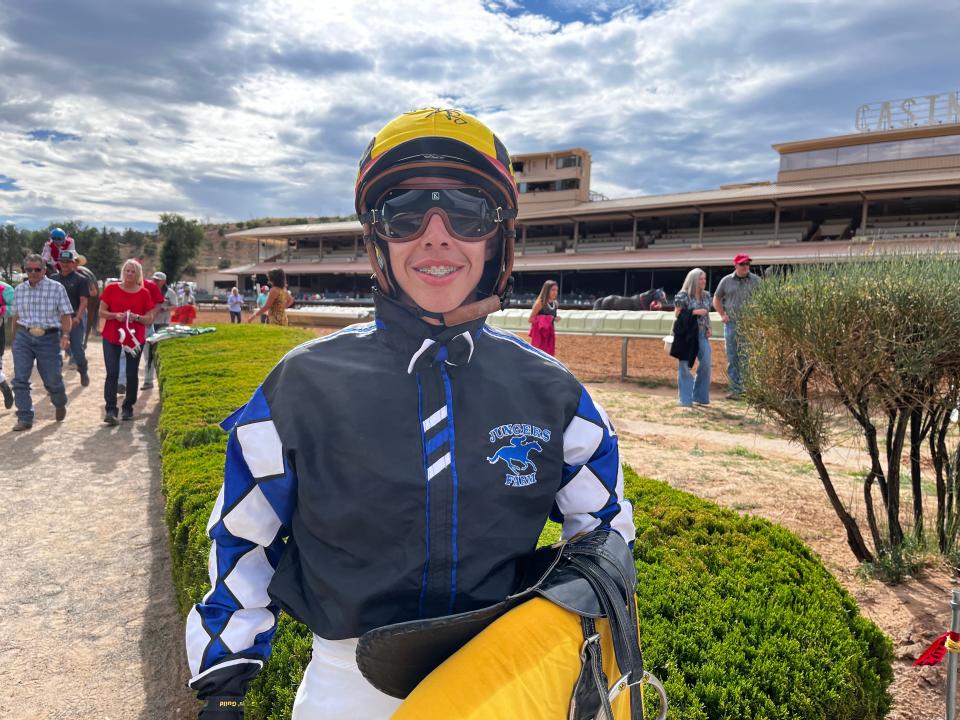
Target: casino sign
[924, 110]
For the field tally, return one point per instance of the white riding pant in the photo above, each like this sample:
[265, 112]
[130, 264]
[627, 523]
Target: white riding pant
[333, 688]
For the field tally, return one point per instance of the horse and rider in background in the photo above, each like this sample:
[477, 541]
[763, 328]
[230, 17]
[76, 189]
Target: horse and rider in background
[653, 299]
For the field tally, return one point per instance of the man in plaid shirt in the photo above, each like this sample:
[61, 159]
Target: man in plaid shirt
[44, 318]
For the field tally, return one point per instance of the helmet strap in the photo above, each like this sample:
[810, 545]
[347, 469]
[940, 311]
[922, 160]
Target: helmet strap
[491, 303]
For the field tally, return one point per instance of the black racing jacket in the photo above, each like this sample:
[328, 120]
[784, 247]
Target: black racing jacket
[393, 471]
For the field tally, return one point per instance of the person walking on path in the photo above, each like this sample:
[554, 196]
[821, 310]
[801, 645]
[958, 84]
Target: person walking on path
[543, 317]
[732, 292]
[693, 296]
[78, 290]
[126, 308]
[160, 320]
[278, 299]
[93, 302]
[235, 306]
[355, 556]
[157, 298]
[261, 302]
[44, 320]
[6, 310]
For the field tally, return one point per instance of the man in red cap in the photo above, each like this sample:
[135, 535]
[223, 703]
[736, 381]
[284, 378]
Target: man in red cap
[731, 294]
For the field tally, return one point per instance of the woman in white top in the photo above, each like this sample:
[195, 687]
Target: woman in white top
[235, 305]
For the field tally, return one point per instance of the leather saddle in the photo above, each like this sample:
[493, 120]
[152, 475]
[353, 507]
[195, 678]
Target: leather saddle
[592, 576]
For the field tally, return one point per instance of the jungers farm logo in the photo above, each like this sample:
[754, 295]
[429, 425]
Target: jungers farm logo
[524, 441]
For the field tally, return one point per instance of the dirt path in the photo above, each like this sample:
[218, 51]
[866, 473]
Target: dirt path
[90, 626]
[725, 454]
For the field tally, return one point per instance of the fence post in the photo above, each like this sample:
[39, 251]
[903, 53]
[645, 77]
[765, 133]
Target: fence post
[952, 659]
[623, 358]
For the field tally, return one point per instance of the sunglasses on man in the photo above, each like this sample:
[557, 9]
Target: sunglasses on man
[468, 214]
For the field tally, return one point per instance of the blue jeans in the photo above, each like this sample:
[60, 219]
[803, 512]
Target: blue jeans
[76, 347]
[733, 357]
[112, 361]
[698, 390]
[45, 350]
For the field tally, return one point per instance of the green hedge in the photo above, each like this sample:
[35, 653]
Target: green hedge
[738, 617]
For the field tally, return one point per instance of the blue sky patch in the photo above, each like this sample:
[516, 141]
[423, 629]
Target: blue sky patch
[568, 11]
[52, 135]
[7, 184]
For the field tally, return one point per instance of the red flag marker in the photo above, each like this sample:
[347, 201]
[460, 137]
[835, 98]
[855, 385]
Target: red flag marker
[937, 650]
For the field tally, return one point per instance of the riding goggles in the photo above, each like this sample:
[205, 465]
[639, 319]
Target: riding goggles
[469, 214]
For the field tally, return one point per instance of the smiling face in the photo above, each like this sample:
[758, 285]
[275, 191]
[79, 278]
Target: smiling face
[435, 271]
[552, 293]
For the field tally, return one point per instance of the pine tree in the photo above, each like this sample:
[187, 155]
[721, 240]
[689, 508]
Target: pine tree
[103, 259]
[181, 242]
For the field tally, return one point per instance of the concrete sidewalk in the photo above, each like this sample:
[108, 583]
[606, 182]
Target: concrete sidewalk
[87, 609]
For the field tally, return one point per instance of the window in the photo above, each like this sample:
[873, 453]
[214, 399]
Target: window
[793, 161]
[822, 158]
[568, 161]
[853, 155]
[518, 166]
[919, 148]
[884, 151]
[947, 145]
[540, 186]
[571, 184]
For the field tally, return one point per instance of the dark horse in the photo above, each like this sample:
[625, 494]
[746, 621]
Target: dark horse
[634, 302]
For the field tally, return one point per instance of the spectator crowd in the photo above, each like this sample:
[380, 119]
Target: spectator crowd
[60, 301]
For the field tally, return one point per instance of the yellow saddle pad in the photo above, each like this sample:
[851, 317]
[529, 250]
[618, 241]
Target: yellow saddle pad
[522, 667]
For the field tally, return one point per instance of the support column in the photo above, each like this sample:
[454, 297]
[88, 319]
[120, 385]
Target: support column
[634, 244]
[523, 240]
[776, 225]
[863, 218]
[576, 234]
[623, 360]
[700, 236]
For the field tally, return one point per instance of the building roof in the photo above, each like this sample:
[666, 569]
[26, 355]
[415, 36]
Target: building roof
[757, 195]
[547, 153]
[709, 256]
[865, 138]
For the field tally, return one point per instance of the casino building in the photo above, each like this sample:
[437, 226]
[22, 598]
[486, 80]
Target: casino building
[892, 185]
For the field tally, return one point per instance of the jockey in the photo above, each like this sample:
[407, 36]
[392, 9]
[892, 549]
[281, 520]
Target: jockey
[347, 534]
[57, 243]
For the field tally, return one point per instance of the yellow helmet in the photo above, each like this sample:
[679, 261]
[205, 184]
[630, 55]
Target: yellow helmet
[447, 144]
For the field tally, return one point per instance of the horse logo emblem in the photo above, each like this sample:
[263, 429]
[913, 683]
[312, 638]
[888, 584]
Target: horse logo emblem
[516, 455]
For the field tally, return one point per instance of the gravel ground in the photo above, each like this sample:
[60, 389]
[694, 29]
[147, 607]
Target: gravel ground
[90, 625]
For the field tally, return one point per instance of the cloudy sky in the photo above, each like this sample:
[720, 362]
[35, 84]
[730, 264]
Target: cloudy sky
[113, 112]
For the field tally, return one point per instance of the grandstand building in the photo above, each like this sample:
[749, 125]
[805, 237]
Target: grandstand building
[894, 184]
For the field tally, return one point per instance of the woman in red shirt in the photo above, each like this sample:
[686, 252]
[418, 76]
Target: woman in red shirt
[126, 307]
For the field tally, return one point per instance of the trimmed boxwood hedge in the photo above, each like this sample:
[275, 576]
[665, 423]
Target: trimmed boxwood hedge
[738, 617]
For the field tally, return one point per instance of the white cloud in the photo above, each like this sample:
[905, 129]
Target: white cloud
[264, 107]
